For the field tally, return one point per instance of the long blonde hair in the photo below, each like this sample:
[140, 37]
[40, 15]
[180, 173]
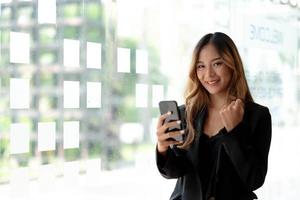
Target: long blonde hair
[196, 96]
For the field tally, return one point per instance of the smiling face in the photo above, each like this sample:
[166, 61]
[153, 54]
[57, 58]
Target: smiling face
[212, 72]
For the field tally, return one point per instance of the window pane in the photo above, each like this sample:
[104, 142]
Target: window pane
[19, 47]
[141, 61]
[81, 81]
[157, 94]
[19, 182]
[19, 138]
[19, 93]
[46, 136]
[71, 134]
[141, 95]
[93, 95]
[47, 11]
[123, 60]
[93, 55]
[71, 53]
[71, 94]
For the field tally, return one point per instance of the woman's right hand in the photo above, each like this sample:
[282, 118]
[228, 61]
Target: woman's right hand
[162, 137]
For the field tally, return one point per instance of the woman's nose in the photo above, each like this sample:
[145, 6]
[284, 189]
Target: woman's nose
[210, 72]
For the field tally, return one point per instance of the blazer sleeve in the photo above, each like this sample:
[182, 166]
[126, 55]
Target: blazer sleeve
[248, 148]
[174, 164]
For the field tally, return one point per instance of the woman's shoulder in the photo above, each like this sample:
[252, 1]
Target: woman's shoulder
[256, 109]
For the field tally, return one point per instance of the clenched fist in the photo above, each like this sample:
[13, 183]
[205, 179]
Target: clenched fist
[232, 114]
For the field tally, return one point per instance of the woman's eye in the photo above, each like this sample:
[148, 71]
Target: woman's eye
[217, 64]
[200, 67]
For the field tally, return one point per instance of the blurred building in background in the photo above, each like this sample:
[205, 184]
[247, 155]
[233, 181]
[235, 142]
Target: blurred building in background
[80, 82]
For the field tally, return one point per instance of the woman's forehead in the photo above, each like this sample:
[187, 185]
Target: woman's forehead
[208, 52]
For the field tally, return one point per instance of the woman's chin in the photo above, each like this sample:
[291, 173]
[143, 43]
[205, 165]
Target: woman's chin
[215, 91]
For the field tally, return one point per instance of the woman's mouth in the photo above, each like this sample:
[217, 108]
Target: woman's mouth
[212, 82]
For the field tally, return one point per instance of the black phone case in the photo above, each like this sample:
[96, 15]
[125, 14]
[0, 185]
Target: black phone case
[166, 106]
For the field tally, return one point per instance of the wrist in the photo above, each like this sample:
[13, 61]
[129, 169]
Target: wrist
[161, 150]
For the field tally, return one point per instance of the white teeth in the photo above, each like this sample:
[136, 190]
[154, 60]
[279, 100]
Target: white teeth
[212, 82]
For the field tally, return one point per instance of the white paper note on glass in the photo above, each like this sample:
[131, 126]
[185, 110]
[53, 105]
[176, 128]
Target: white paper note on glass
[71, 94]
[71, 53]
[123, 60]
[47, 11]
[71, 134]
[19, 138]
[46, 136]
[93, 55]
[19, 93]
[19, 47]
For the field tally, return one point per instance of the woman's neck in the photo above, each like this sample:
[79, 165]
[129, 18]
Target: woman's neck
[218, 101]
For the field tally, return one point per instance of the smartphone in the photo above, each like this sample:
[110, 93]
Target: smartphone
[166, 106]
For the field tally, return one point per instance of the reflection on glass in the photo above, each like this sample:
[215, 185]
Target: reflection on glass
[71, 172]
[141, 94]
[123, 60]
[19, 183]
[93, 55]
[19, 138]
[131, 133]
[93, 94]
[71, 53]
[71, 134]
[141, 61]
[47, 11]
[19, 93]
[46, 179]
[46, 136]
[19, 47]
[5, 1]
[93, 170]
[71, 94]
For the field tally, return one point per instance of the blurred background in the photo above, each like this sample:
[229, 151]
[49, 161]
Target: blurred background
[80, 82]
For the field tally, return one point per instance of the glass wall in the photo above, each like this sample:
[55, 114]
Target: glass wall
[81, 81]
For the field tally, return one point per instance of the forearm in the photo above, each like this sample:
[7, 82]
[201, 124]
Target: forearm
[171, 165]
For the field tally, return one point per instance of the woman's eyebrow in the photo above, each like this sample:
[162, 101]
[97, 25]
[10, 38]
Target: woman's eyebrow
[218, 58]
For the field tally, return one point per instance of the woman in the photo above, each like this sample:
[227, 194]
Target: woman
[227, 136]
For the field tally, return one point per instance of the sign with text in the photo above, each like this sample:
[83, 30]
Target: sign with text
[270, 34]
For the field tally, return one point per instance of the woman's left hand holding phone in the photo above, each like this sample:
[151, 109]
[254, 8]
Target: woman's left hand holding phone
[163, 138]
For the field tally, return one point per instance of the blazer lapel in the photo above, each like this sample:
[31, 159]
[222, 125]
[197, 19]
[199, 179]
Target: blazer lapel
[193, 151]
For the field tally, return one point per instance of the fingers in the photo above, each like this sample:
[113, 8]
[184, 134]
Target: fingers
[232, 114]
[239, 103]
[163, 141]
[163, 146]
[171, 124]
[169, 142]
[171, 134]
[233, 105]
[162, 129]
[162, 118]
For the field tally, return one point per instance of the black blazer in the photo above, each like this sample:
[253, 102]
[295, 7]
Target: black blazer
[243, 158]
